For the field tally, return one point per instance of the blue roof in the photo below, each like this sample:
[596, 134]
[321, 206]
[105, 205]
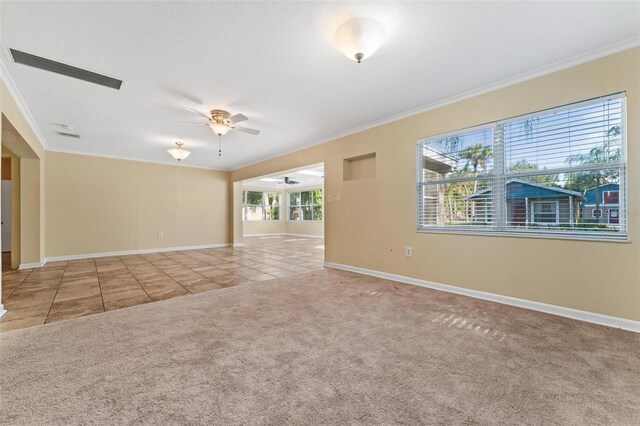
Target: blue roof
[590, 194]
[517, 188]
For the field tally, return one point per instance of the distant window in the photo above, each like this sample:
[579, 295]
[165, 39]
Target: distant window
[531, 174]
[544, 212]
[306, 205]
[261, 205]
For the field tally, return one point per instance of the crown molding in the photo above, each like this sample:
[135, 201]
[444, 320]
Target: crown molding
[22, 105]
[138, 160]
[529, 75]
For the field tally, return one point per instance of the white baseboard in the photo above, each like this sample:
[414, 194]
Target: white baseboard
[592, 317]
[274, 234]
[2, 310]
[284, 234]
[130, 252]
[238, 245]
[32, 265]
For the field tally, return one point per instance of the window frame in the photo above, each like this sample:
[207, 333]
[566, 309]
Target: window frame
[264, 205]
[500, 176]
[300, 205]
[555, 203]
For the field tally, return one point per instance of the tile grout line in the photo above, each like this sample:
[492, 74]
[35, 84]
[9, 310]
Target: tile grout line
[163, 273]
[211, 279]
[134, 277]
[243, 266]
[99, 285]
[204, 276]
[18, 286]
[55, 295]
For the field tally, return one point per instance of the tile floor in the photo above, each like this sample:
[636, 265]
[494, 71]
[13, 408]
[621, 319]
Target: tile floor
[70, 289]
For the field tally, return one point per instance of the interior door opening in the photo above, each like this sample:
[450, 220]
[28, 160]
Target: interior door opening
[6, 194]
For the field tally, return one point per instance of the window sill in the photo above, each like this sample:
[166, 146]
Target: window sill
[623, 238]
[305, 221]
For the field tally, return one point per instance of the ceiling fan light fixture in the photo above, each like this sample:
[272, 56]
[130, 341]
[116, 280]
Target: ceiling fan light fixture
[359, 38]
[179, 153]
[219, 129]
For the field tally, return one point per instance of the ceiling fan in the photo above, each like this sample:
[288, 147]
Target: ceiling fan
[221, 122]
[288, 181]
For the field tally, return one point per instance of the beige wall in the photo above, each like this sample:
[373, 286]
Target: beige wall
[263, 227]
[97, 205]
[374, 238]
[30, 211]
[16, 213]
[301, 227]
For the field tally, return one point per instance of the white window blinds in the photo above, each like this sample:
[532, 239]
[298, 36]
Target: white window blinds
[559, 171]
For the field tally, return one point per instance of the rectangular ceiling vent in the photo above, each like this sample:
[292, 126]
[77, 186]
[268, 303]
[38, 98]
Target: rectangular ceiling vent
[28, 59]
[69, 135]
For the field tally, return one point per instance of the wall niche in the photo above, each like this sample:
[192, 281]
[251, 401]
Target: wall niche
[360, 167]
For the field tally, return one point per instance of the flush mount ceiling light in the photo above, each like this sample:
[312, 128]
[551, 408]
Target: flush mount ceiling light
[359, 38]
[179, 153]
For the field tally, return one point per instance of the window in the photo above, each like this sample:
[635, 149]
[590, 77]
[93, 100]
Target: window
[260, 205]
[543, 173]
[305, 205]
[545, 212]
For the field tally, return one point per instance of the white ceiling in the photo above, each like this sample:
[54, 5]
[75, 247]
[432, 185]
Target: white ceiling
[306, 176]
[274, 62]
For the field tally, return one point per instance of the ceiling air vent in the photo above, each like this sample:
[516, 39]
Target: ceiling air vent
[64, 69]
[69, 135]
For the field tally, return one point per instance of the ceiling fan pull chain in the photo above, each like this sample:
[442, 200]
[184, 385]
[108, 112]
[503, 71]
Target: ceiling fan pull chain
[219, 146]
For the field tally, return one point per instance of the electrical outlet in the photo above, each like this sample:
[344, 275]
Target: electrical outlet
[160, 234]
[408, 251]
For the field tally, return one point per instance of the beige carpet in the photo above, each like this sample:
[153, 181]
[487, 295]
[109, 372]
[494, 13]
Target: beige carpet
[322, 348]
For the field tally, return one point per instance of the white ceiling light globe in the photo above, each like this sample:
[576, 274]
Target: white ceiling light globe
[359, 38]
[219, 128]
[179, 153]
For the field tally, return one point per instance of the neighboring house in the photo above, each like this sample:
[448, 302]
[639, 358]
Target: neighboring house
[607, 200]
[531, 203]
[435, 165]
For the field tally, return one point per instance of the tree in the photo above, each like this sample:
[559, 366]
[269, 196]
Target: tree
[454, 194]
[525, 166]
[607, 152]
[477, 156]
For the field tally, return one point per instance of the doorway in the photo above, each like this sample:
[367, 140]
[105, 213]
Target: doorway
[279, 218]
[6, 213]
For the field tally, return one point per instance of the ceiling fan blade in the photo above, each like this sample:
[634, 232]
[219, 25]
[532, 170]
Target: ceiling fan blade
[198, 112]
[190, 122]
[237, 118]
[247, 130]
